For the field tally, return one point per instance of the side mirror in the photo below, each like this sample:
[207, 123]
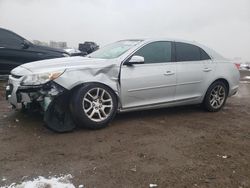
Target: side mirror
[25, 44]
[135, 60]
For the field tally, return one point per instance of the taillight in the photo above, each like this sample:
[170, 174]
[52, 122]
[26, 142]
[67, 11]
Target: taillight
[237, 65]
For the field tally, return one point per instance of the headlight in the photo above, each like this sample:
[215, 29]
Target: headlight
[41, 78]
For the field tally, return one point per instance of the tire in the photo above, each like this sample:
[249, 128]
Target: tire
[216, 96]
[93, 106]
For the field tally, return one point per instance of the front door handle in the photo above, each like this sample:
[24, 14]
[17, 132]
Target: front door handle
[168, 73]
[207, 69]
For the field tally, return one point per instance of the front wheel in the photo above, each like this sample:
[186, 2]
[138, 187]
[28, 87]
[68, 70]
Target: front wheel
[216, 96]
[93, 106]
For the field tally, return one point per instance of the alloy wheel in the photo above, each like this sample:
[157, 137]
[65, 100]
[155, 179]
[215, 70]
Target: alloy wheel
[97, 104]
[217, 96]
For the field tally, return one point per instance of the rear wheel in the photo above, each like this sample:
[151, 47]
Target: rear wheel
[93, 106]
[216, 96]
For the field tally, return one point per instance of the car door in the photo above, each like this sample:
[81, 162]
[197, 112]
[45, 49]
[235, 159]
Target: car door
[192, 70]
[152, 82]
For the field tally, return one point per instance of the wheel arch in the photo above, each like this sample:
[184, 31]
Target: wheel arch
[224, 81]
[218, 79]
[87, 83]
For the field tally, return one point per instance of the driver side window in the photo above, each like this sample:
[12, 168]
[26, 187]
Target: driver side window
[9, 39]
[156, 52]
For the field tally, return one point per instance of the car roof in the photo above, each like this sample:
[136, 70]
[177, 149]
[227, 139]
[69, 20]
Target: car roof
[12, 32]
[6, 30]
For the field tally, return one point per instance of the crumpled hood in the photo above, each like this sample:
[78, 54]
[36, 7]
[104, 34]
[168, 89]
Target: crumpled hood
[77, 62]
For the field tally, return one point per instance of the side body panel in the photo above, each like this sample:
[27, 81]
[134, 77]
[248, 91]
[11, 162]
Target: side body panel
[193, 79]
[228, 71]
[147, 84]
[107, 75]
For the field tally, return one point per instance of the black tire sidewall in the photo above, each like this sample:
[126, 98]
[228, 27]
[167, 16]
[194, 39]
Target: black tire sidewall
[206, 102]
[78, 113]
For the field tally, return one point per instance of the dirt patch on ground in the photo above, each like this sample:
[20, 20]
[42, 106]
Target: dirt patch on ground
[174, 147]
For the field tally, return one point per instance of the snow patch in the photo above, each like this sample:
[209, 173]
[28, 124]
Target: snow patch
[41, 182]
[153, 185]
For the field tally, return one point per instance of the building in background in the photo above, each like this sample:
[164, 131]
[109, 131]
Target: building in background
[61, 45]
[38, 42]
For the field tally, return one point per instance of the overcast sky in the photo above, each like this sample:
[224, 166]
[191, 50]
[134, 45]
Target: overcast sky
[223, 25]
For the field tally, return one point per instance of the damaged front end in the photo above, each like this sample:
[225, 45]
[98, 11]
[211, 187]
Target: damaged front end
[48, 85]
[49, 98]
[25, 95]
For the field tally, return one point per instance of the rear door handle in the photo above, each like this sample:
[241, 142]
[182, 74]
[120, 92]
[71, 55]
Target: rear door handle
[207, 69]
[168, 73]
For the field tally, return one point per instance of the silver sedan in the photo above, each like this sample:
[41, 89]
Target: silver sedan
[124, 76]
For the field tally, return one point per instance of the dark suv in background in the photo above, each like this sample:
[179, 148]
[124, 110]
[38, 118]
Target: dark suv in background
[15, 50]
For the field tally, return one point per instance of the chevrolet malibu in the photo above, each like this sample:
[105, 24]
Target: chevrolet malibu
[124, 76]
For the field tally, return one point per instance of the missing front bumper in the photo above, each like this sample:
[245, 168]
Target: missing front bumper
[18, 95]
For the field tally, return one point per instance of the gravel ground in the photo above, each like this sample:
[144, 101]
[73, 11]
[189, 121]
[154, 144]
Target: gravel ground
[174, 147]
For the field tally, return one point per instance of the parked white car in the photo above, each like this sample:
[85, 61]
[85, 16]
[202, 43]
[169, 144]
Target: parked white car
[124, 76]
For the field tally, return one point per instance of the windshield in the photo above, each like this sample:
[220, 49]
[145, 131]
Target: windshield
[114, 50]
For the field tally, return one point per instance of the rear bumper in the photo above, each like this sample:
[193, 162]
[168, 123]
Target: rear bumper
[233, 91]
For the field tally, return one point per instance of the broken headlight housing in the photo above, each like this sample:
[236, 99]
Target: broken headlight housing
[40, 78]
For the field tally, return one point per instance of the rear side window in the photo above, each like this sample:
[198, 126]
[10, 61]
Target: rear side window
[204, 55]
[189, 52]
[156, 52]
[9, 38]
